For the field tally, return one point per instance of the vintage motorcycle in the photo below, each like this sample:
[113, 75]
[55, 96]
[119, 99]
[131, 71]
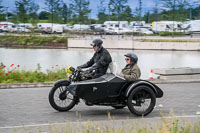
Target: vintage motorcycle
[108, 90]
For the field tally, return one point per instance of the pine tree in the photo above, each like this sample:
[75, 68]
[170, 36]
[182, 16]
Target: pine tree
[102, 16]
[117, 7]
[26, 10]
[2, 15]
[53, 7]
[80, 11]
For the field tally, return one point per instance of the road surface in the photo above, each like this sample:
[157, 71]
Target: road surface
[30, 106]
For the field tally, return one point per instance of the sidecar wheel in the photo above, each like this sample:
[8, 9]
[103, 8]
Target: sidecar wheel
[141, 100]
[60, 98]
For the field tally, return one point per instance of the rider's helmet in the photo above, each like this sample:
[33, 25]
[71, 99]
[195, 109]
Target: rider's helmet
[97, 42]
[133, 57]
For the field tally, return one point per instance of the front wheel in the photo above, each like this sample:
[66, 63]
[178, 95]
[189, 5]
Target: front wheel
[61, 99]
[141, 100]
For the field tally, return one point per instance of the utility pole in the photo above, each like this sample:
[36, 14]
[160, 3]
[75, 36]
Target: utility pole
[6, 14]
[173, 18]
[190, 12]
[140, 9]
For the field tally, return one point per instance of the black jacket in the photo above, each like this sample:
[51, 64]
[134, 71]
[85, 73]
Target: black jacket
[100, 62]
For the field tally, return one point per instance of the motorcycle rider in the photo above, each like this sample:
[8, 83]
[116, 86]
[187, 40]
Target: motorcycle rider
[100, 60]
[131, 71]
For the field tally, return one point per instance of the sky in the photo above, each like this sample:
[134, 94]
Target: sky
[147, 5]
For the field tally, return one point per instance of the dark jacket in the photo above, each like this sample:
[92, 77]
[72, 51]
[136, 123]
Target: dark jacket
[131, 72]
[100, 62]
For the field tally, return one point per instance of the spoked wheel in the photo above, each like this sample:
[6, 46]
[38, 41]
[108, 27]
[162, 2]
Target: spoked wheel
[141, 100]
[60, 98]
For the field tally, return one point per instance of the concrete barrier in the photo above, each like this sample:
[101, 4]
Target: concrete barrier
[186, 73]
[135, 44]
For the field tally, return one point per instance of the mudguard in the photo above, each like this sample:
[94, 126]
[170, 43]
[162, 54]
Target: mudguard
[158, 92]
[62, 82]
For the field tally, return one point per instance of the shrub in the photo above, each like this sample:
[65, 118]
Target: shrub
[12, 74]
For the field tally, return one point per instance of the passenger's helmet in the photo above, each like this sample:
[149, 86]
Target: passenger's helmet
[97, 42]
[133, 57]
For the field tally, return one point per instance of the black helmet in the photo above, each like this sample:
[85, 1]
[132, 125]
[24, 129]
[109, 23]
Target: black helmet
[133, 57]
[97, 42]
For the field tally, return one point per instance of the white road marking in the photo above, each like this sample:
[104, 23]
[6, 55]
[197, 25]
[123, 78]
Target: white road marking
[64, 123]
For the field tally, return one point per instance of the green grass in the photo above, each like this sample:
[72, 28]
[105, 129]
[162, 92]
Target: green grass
[13, 74]
[32, 40]
[165, 125]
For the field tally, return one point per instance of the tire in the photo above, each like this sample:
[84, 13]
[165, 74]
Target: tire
[138, 99]
[118, 106]
[63, 98]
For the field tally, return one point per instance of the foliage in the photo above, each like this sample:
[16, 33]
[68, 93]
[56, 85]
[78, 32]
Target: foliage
[44, 15]
[80, 11]
[26, 11]
[32, 40]
[13, 74]
[119, 10]
[77, 11]
[53, 7]
[2, 15]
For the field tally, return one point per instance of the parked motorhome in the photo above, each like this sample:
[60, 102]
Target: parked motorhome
[116, 27]
[50, 28]
[192, 26]
[137, 23]
[116, 24]
[166, 26]
[27, 25]
[80, 27]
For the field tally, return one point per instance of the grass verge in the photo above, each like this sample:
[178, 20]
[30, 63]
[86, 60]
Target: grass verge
[32, 40]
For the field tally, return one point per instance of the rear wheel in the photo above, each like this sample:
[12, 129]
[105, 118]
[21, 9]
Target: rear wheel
[141, 100]
[61, 99]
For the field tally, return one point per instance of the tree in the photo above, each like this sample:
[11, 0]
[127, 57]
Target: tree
[26, 10]
[126, 15]
[44, 15]
[65, 12]
[2, 15]
[53, 7]
[175, 8]
[80, 11]
[117, 7]
[102, 16]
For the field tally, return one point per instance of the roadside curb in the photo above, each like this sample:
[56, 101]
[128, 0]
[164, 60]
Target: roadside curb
[50, 84]
[25, 85]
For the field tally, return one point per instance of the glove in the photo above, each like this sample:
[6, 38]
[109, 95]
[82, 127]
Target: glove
[93, 67]
[79, 68]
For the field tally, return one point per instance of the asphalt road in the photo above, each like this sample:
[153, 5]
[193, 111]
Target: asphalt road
[30, 106]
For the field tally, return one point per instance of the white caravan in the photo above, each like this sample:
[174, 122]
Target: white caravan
[116, 24]
[50, 27]
[192, 26]
[116, 27]
[27, 25]
[166, 26]
[137, 23]
[80, 27]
